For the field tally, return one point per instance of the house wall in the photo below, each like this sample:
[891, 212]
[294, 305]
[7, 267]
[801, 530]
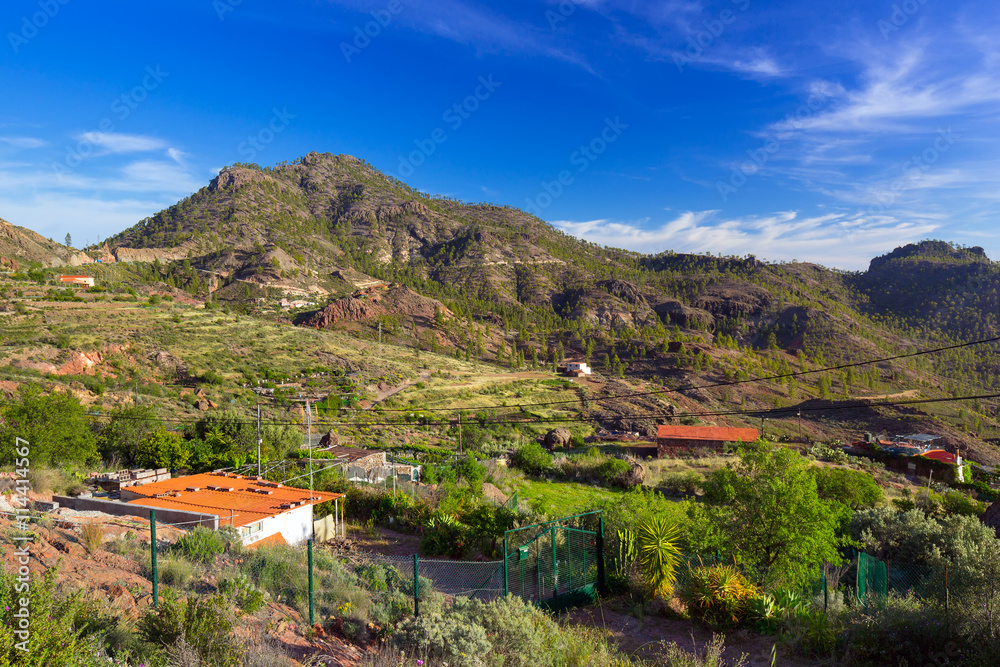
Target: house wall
[295, 525]
[190, 519]
[674, 446]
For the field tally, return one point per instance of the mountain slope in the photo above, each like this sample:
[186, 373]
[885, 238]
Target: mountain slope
[22, 246]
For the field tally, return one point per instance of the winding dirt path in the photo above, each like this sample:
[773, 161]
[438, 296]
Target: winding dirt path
[392, 391]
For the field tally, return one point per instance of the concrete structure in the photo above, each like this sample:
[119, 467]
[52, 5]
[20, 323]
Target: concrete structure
[578, 368]
[257, 508]
[672, 440]
[365, 465]
[81, 281]
[176, 516]
[114, 482]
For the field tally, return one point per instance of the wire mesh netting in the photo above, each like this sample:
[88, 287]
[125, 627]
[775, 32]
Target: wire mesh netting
[481, 580]
[546, 561]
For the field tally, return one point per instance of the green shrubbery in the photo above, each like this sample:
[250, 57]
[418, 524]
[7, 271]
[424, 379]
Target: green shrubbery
[501, 633]
[203, 545]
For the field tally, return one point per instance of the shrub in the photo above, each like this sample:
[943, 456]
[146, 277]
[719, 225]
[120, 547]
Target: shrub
[92, 536]
[532, 459]
[852, 488]
[448, 637]
[175, 571]
[203, 623]
[678, 483]
[57, 640]
[906, 631]
[241, 590]
[445, 536]
[201, 545]
[612, 468]
[719, 594]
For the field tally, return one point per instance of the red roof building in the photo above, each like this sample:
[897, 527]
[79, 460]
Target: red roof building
[675, 439]
[257, 508]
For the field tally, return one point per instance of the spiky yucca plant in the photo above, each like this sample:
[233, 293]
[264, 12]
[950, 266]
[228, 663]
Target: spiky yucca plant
[656, 544]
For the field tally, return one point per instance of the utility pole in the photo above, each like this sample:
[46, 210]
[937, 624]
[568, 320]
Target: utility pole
[258, 440]
[309, 435]
[460, 432]
[799, 415]
[379, 340]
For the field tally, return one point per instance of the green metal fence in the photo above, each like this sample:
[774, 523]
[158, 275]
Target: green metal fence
[557, 564]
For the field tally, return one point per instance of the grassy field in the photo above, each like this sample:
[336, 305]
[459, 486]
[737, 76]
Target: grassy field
[562, 498]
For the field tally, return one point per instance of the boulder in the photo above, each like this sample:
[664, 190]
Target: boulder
[558, 437]
[634, 477]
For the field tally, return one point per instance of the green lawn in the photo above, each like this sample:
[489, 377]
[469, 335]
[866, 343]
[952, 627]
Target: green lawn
[559, 499]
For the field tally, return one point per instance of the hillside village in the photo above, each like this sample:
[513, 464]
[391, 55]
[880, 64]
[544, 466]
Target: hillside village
[336, 426]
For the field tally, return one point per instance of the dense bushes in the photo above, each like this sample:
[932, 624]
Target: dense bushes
[202, 545]
[58, 626]
[592, 466]
[508, 632]
[532, 459]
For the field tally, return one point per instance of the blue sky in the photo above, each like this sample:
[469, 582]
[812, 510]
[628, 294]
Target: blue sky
[824, 132]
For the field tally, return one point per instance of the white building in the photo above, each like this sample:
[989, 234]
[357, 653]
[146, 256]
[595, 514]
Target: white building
[578, 368]
[258, 509]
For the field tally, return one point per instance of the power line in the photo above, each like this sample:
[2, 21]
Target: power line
[649, 415]
[522, 406]
[728, 383]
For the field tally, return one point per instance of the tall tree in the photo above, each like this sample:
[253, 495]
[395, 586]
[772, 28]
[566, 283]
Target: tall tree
[54, 425]
[768, 507]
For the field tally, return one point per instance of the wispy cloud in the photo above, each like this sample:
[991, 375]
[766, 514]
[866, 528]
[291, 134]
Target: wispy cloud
[23, 142]
[111, 142]
[836, 239]
[485, 29]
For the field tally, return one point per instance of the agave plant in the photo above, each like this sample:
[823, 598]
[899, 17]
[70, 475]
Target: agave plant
[764, 611]
[719, 594]
[656, 544]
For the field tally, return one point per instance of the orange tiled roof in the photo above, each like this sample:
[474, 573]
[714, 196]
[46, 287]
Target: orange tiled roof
[245, 499]
[276, 538]
[721, 433]
[940, 455]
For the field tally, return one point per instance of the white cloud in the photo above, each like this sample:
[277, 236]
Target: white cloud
[23, 142]
[761, 64]
[112, 142]
[836, 239]
[87, 218]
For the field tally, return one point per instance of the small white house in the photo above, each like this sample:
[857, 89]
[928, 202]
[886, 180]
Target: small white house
[258, 509]
[578, 368]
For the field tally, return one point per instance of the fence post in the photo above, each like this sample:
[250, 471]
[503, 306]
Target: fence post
[601, 582]
[152, 548]
[506, 586]
[312, 619]
[416, 585]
